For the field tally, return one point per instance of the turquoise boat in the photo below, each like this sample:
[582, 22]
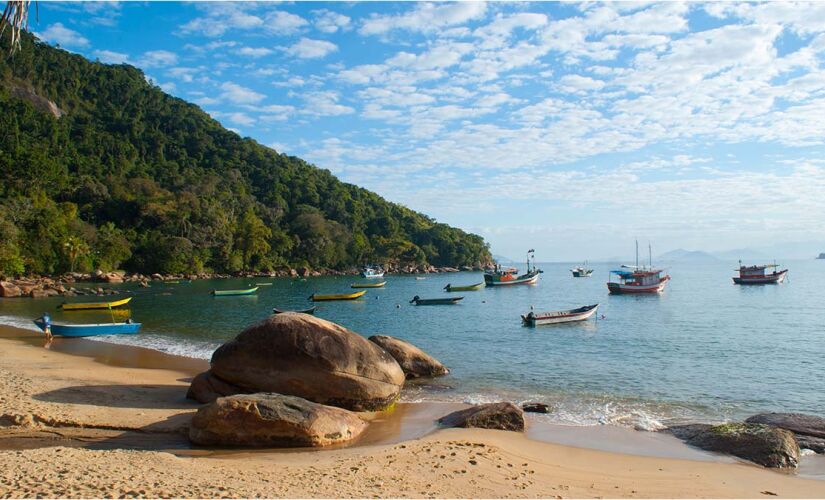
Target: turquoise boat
[224, 293]
[89, 330]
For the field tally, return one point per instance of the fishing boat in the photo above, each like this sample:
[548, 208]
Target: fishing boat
[225, 293]
[555, 317]
[81, 306]
[311, 310]
[372, 272]
[368, 285]
[434, 302]
[755, 275]
[89, 330]
[637, 279]
[337, 296]
[509, 276]
[581, 271]
[464, 288]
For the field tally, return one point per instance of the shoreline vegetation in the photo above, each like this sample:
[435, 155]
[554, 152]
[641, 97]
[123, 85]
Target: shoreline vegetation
[97, 413]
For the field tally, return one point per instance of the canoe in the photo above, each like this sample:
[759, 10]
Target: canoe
[368, 285]
[464, 288]
[555, 317]
[434, 302]
[224, 293]
[337, 296]
[90, 330]
[79, 306]
[311, 310]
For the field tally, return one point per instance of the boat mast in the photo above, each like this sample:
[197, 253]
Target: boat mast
[637, 254]
[649, 255]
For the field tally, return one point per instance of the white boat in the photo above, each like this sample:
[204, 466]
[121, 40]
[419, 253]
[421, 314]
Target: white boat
[555, 317]
[372, 272]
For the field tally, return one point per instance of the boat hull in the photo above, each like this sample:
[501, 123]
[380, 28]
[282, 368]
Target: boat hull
[368, 285]
[311, 310]
[524, 279]
[581, 274]
[227, 293]
[83, 306]
[554, 318]
[90, 330]
[624, 289]
[437, 302]
[768, 279]
[467, 288]
[338, 296]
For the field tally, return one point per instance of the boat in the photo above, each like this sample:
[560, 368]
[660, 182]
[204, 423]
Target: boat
[755, 275]
[337, 296]
[555, 317]
[420, 278]
[311, 310]
[263, 284]
[435, 302]
[509, 276]
[638, 279]
[464, 288]
[368, 285]
[581, 271]
[224, 293]
[81, 306]
[372, 272]
[89, 330]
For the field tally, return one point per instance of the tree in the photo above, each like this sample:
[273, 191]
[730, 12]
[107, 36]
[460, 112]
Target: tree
[75, 247]
[252, 239]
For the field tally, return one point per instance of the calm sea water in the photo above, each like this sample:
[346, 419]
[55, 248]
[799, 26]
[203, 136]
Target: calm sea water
[705, 350]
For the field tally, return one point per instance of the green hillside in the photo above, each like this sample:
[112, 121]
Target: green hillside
[131, 178]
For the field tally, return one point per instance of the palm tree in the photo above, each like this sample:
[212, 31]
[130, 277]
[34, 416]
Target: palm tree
[16, 19]
[75, 248]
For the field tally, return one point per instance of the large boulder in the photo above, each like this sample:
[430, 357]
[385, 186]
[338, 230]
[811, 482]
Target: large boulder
[301, 355]
[272, 420]
[8, 289]
[413, 361]
[759, 443]
[798, 423]
[206, 387]
[501, 416]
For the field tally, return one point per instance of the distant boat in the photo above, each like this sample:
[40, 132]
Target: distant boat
[368, 285]
[337, 296]
[372, 272]
[581, 271]
[263, 284]
[464, 288]
[755, 275]
[77, 306]
[311, 310]
[509, 276]
[636, 279]
[434, 302]
[420, 278]
[225, 293]
[554, 317]
[89, 330]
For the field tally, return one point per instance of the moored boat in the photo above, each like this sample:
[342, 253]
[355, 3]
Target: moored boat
[581, 271]
[555, 317]
[464, 288]
[371, 272]
[336, 296]
[509, 276]
[79, 306]
[637, 279]
[756, 275]
[311, 310]
[226, 293]
[89, 330]
[368, 285]
[434, 302]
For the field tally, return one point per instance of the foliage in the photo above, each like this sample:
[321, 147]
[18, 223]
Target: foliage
[150, 183]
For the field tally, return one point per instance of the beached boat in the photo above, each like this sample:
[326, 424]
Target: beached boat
[89, 330]
[225, 293]
[755, 275]
[434, 302]
[368, 285]
[637, 279]
[464, 288]
[337, 296]
[82, 306]
[555, 317]
[311, 310]
[372, 272]
[581, 271]
[509, 276]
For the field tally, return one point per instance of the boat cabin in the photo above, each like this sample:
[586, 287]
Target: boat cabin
[753, 271]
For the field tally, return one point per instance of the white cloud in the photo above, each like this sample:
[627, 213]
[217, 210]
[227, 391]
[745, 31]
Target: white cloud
[579, 83]
[237, 94]
[325, 104]
[157, 58]
[307, 48]
[254, 51]
[222, 17]
[183, 74]
[327, 21]
[284, 23]
[111, 57]
[425, 17]
[63, 36]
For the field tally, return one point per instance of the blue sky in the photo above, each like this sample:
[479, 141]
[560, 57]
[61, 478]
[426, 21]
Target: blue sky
[569, 128]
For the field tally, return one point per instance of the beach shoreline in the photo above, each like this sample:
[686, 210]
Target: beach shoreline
[97, 413]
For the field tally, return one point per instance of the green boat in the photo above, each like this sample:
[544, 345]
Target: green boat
[224, 293]
[464, 288]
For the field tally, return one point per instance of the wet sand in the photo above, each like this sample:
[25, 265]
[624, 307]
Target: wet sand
[90, 419]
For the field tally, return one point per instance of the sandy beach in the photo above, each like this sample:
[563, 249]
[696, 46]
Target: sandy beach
[87, 419]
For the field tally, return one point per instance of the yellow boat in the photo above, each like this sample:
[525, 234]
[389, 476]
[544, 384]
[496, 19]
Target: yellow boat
[368, 285]
[79, 306]
[337, 296]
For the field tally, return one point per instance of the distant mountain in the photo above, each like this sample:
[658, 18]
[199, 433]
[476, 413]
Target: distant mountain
[502, 259]
[681, 255]
[744, 254]
[821, 256]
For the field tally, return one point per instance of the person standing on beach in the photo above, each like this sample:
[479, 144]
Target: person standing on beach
[47, 328]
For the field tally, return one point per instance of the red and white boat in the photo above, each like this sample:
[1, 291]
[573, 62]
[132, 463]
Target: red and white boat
[552, 318]
[635, 279]
[756, 275]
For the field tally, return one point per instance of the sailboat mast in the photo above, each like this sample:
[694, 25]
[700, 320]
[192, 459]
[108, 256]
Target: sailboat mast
[649, 255]
[637, 254]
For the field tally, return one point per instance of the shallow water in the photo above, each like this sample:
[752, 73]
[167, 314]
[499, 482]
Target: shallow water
[703, 350]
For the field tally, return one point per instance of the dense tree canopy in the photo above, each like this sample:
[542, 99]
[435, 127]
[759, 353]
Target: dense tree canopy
[132, 178]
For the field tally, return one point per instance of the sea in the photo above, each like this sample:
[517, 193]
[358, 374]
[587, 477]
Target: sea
[705, 350]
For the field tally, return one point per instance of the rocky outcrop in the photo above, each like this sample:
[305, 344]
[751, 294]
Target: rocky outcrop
[8, 289]
[26, 93]
[501, 416]
[759, 443]
[301, 355]
[272, 420]
[535, 408]
[798, 423]
[413, 361]
[206, 387]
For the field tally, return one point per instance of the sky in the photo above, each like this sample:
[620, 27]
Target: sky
[571, 128]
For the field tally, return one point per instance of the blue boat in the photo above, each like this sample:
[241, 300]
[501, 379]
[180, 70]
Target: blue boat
[89, 330]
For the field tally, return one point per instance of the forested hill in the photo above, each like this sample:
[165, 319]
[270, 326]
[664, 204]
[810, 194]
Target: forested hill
[100, 169]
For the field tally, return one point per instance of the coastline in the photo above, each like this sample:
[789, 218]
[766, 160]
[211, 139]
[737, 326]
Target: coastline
[97, 412]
